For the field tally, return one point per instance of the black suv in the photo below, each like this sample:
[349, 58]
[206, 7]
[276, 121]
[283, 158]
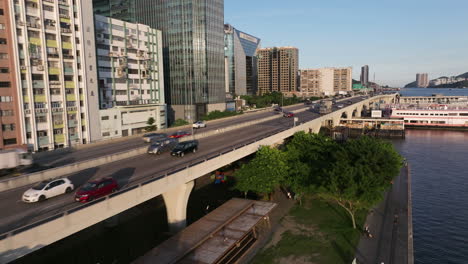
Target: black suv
[183, 147]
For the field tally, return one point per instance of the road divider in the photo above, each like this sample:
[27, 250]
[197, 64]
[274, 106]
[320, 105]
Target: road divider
[28, 179]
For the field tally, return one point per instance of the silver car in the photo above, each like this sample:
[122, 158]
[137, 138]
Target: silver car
[199, 124]
[159, 146]
[150, 137]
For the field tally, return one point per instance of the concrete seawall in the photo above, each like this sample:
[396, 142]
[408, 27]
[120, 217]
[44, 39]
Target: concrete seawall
[410, 219]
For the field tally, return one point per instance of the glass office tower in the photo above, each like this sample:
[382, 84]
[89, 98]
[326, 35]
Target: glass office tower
[193, 49]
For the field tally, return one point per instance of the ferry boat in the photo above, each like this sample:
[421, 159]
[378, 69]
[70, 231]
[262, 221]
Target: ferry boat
[435, 116]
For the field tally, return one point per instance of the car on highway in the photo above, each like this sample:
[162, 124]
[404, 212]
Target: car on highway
[47, 189]
[278, 109]
[149, 137]
[288, 114]
[160, 146]
[95, 189]
[180, 134]
[199, 124]
[185, 147]
[340, 106]
[349, 102]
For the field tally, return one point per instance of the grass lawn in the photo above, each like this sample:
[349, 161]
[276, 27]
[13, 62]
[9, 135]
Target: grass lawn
[316, 232]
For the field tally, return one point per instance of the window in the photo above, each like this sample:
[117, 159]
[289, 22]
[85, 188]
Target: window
[105, 118]
[6, 112]
[2, 26]
[1, 12]
[3, 56]
[8, 127]
[3, 41]
[10, 141]
[41, 119]
[5, 84]
[4, 70]
[106, 134]
[6, 99]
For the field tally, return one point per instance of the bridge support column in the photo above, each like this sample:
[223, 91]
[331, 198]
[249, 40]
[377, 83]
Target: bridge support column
[315, 129]
[176, 206]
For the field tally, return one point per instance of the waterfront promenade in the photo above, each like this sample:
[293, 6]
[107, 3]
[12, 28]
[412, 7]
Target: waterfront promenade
[390, 224]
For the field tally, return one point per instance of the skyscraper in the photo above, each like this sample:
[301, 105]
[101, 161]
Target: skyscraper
[422, 80]
[241, 61]
[278, 69]
[365, 75]
[193, 46]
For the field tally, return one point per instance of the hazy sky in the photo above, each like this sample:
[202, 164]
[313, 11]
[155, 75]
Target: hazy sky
[396, 38]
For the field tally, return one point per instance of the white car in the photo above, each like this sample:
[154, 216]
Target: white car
[340, 106]
[199, 124]
[47, 189]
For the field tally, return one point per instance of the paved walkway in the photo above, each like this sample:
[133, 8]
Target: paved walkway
[388, 224]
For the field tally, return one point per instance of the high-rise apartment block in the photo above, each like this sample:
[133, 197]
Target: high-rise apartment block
[130, 76]
[193, 45]
[240, 61]
[422, 80]
[10, 125]
[325, 81]
[365, 75]
[53, 50]
[278, 70]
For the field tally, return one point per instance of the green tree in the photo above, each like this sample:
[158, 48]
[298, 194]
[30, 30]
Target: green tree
[363, 169]
[264, 173]
[150, 124]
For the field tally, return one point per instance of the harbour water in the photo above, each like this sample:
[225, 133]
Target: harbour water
[439, 165]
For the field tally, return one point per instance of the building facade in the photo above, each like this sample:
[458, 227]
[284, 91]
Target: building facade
[10, 126]
[130, 76]
[325, 81]
[241, 61]
[56, 76]
[193, 49]
[278, 70]
[365, 75]
[422, 80]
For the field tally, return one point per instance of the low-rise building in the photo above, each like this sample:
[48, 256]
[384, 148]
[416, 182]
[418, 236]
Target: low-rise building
[130, 72]
[325, 81]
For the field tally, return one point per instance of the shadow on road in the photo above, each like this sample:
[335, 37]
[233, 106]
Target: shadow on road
[83, 176]
[123, 176]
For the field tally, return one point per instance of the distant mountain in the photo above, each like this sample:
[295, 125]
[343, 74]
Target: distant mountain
[464, 75]
[411, 85]
[462, 84]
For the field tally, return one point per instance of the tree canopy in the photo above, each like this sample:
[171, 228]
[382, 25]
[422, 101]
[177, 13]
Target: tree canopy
[264, 173]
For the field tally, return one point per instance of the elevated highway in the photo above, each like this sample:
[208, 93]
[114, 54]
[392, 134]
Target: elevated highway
[28, 227]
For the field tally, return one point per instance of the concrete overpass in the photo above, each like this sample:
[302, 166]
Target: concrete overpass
[174, 183]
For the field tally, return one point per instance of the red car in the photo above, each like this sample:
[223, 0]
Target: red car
[95, 189]
[288, 114]
[180, 134]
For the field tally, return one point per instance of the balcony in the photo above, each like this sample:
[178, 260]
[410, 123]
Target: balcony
[69, 84]
[28, 127]
[43, 141]
[51, 43]
[39, 98]
[54, 71]
[72, 123]
[68, 70]
[58, 124]
[71, 97]
[35, 41]
[74, 137]
[38, 84]
[26, 99]
[59, 138]
[83, 122]
[66, 45]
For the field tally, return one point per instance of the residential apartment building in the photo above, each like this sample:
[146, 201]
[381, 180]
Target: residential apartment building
[193, 47]
[278, 70]
[54, 57]
[10, 127]
[130, 73]
[240, 61]
[325, 81]
[422, 80]
[365, 75]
